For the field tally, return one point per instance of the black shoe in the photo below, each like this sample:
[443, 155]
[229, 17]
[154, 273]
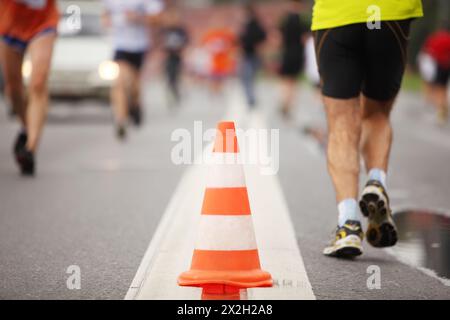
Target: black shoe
[26, 162]
[121, 132]
[135, 114]
[285, 112]
[381, 231]
[347, 241]
[19, 144]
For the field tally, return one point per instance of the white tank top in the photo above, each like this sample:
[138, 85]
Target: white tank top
[126, 35]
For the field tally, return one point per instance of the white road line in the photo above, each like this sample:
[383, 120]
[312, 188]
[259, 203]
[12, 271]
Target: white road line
[162, 232]
[275, 235]
[171, 248]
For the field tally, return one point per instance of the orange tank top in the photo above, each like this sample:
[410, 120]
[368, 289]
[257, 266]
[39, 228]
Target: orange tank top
[23, 19]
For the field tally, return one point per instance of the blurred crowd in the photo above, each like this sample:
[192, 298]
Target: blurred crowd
[209, 44]
[237, 40]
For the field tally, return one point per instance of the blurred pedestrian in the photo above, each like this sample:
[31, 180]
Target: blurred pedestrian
[434, 66]
[175, 40]
[251, 38]
[130, 21]
[293, 34]
[199, 62]
[311, 70]
[27, 27]
[220, 43]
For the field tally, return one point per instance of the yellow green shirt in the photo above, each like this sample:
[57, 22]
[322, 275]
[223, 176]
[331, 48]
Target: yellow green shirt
[336, 13]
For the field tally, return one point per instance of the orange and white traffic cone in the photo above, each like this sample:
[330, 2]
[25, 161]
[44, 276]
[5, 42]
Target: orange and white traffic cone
[226, 251]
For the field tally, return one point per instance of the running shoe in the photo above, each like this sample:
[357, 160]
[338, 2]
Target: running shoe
[381, 231]
[347, 241]
[121, 132]
[285, 112]
[19, 144]
[26, 162]
[135, 115]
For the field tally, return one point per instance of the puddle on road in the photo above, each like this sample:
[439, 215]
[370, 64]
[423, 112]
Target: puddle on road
[424, 240]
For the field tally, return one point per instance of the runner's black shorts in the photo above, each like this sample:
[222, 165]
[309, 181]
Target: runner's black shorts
[135, 59]
[442, 75]
[292, 62]
[354, 59]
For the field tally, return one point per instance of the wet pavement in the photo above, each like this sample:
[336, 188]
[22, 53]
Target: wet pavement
[424, 240]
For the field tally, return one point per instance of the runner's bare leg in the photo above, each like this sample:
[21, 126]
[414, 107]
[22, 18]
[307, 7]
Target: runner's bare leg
[288, 94]
[40, 51]
[376, 137]
[344, 131]
[120, 92]
[11, 62]
[442, 103]
[135, 88]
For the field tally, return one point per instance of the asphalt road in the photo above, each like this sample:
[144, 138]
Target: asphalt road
[96, 202]
[418, 179]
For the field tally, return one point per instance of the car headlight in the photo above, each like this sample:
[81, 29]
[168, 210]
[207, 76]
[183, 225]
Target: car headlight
[108, 70]
[26, 69]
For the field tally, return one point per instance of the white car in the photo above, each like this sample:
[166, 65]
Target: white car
[81, 63]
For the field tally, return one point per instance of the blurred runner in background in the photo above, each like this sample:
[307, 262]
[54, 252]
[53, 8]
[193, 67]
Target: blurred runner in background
[130, 22]
[434, 66]
[175, 40]
[220, 42]
[361, 64]
[27, 27]
[293, 34]
[311, 71]
[199, 63]
[251, 38]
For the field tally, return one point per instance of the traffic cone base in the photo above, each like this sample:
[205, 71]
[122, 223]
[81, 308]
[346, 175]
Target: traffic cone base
[239, 279]
[238, 268]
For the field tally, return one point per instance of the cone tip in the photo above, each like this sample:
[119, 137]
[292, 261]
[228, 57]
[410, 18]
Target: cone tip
[222, 126]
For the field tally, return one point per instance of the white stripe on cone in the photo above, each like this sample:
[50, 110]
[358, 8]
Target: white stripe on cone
[225, 171]
[224, 158]
[220, 232]
[225, 176]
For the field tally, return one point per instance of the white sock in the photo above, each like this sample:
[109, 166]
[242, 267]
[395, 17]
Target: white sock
[378, 175]
[348, 210]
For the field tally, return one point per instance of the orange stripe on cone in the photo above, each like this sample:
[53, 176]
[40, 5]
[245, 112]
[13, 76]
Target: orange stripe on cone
[226, 201]
[238, 268]
[226, 140]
